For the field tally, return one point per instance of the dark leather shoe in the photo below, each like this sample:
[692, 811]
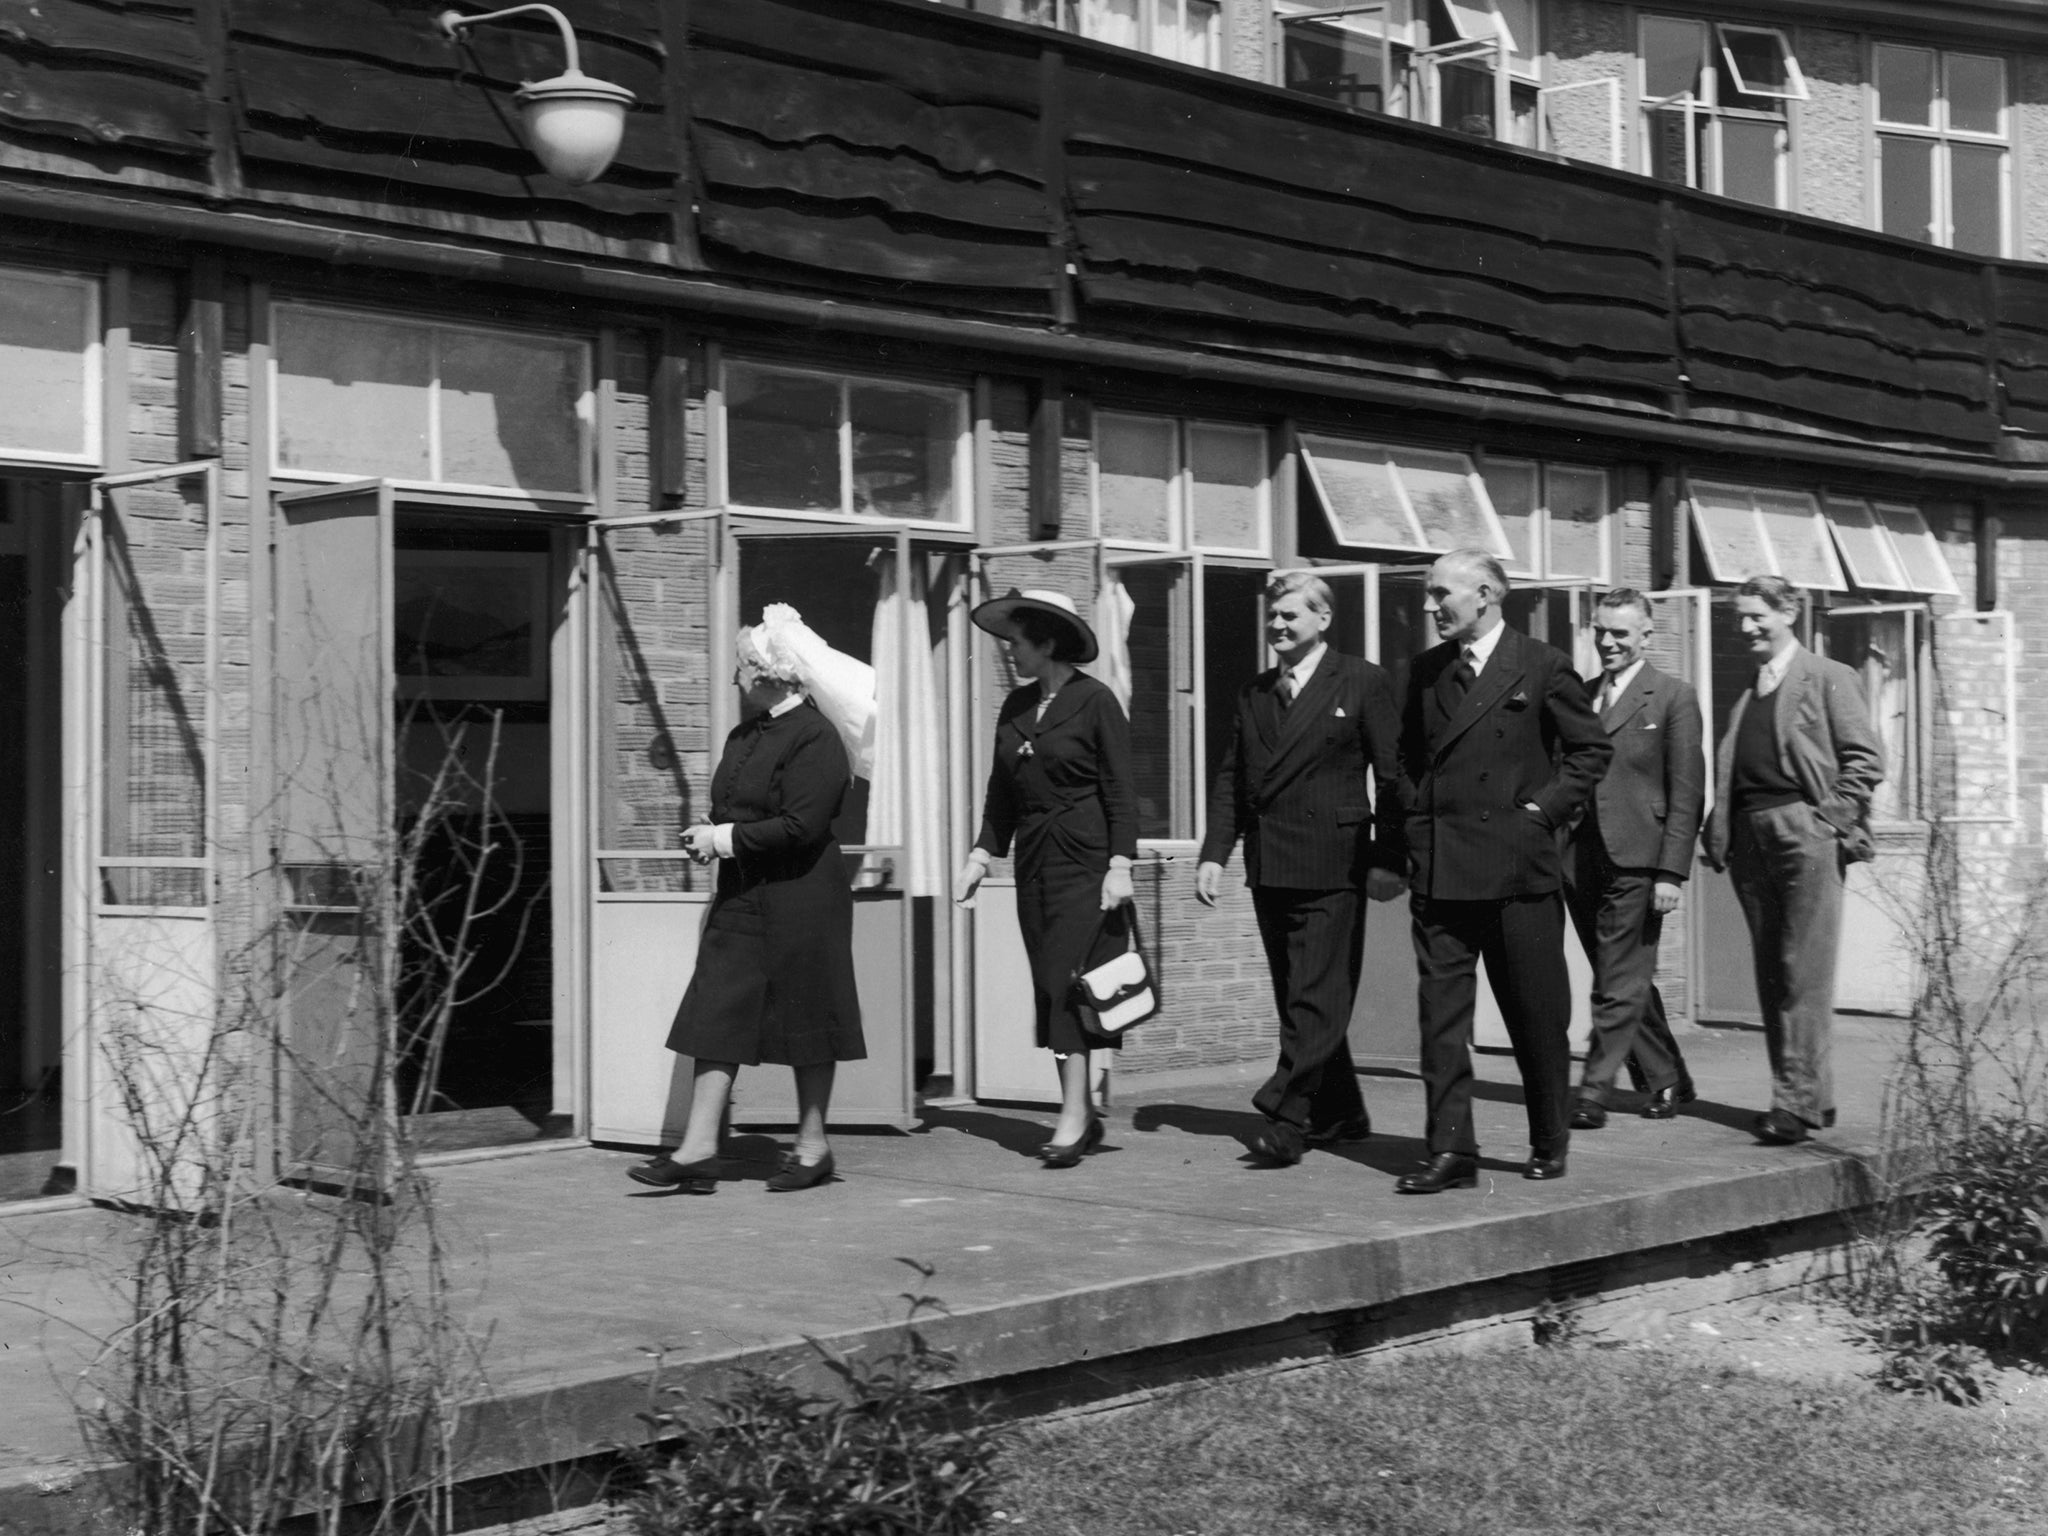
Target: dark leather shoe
[1446, 1170]
[697, 1178]
[795, 1174]
[1279, 1144]
[1065, 1154]
[1539, 1167]
[1664, 1102]
[1778, 1129]
[1357, 1128]
[1588, 1116]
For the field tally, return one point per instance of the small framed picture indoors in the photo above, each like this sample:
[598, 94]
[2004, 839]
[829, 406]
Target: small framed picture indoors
[470, 624]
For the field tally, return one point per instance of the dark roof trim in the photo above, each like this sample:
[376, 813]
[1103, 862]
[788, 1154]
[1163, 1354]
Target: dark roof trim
[229, 232]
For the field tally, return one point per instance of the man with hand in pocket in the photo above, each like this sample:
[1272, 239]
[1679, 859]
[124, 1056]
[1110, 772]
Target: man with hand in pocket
[1503, 750]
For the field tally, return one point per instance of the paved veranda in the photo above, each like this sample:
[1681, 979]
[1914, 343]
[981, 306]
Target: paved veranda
[1166, 1238]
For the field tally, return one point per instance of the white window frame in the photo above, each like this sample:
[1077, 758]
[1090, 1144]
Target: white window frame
[1714, 64]
[1542, 568]
[586, 405]
[1071, 15]
[92, 351]
[1180, 487]
[1795, 78]
[1908, 776]
[1310, 442]
[962, 520]
[1373, 19]
[1944, 138]
[1711, 522]
[1892, 525]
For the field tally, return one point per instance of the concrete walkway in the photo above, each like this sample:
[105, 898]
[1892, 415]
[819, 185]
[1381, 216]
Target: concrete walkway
[1166, 1237]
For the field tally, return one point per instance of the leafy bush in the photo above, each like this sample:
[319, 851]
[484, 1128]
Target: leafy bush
[887, 1457]
[1918, 1361]
[1986, 1218]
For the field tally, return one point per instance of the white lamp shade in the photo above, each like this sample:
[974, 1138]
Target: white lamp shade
[574, 124]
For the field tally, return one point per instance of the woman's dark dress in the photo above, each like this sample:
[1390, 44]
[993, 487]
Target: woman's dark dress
[1068, 803]
[774, 978]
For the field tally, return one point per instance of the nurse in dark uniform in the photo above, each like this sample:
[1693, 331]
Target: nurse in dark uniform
[774, 978]
[1060, 786]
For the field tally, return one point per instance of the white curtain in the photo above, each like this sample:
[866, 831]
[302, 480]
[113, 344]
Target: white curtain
[1113, 610]
[907, 792]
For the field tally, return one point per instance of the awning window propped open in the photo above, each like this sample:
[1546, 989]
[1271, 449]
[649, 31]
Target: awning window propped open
[1762, 531]
[1378, 496]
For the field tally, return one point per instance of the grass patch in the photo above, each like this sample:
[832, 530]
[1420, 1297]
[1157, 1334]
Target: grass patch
[1528, 1443]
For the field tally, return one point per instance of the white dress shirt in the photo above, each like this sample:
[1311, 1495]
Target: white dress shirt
[1296, 678]
[1613, 687]
[1479, 651]
[1772, 672]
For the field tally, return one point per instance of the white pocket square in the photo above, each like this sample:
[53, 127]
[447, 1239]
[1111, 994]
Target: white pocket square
[1340, 712]
[1649, 725]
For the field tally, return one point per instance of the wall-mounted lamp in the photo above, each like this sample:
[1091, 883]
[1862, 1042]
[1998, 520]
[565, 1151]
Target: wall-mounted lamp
[573, 123]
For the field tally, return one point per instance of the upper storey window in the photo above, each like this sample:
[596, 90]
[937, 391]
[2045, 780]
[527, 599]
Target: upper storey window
[1714, 107]
[1355, 55]
[1187, 31]
[49, 366]
[420, 401]
[1943, 136]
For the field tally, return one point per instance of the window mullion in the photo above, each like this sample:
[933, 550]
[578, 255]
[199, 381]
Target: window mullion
[846, 447]
[434, 404]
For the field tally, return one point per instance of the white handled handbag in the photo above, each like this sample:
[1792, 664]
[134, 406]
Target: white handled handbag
[1120, 991]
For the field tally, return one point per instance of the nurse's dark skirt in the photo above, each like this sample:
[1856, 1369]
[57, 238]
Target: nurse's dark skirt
[774, 979]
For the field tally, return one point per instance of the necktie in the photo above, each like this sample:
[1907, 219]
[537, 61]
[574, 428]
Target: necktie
[1285, 690]
[1464, 674]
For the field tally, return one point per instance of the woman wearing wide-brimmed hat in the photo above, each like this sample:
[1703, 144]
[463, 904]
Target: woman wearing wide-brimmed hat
[1060, 786]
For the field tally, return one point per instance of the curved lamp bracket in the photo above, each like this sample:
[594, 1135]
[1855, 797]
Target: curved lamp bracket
[573, 123]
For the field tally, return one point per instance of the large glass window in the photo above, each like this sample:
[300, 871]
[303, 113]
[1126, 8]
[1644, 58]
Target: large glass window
[1355, 55]
[1943, 136]
[1881, 644]
[1380, 497]
[803, 441]
[1472, 45]
[361, 394]
[1173, 483]
[49, 366]
[1714, 107]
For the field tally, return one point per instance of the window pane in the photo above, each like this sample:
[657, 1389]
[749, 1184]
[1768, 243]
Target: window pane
[511, 411]
[905, 445]
[154, 683]
[1467, 100]
[1926, 568]
[1577, 501]
[1446, 496]
[1905, 173]
[1228, 468]
[1750, 149]
[1519, 18]
[1109, 21]
[1799, 539]
[1333, 65]
[1162, 739]
[1188, 30]
[1756, 58]
[43, 321]
[1358, 494]
[352, 394]
[1233, 651]
[781, 440]
[1671, 56]
[1976, 93]
[1512, 485]
[1977, 199]
[1876, 646]
[1725, 518]
[1677, 144]
[1905, 85]
[1134, 458]
[1865, 546]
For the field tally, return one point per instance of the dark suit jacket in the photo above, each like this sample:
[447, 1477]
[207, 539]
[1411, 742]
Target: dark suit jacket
[1825, 742]
[1293, 783]
[1523, 733]
[1648, 804]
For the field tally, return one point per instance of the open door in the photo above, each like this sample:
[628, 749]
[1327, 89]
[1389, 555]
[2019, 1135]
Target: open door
[157, 1075]
[335, 839]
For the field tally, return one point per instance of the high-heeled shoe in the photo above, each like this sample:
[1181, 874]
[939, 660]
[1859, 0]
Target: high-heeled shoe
[796, 1174]
[1065, 1154]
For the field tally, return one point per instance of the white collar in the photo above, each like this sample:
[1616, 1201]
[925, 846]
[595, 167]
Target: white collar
[1481, 650]
[1772, 672]
[786, 705]
[1305, 668]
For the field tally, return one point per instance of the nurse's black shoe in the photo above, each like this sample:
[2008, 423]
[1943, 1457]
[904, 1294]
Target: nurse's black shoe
[795, 1174]
[696, 1178]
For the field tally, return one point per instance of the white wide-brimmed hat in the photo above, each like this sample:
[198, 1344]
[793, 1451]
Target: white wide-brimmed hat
[999, 617]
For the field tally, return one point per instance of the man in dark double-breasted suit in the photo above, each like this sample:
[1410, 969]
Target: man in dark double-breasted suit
[1293, 786]
[1501, 749]
[1629, 858]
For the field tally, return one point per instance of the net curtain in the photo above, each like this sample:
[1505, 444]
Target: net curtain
[907, 791]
